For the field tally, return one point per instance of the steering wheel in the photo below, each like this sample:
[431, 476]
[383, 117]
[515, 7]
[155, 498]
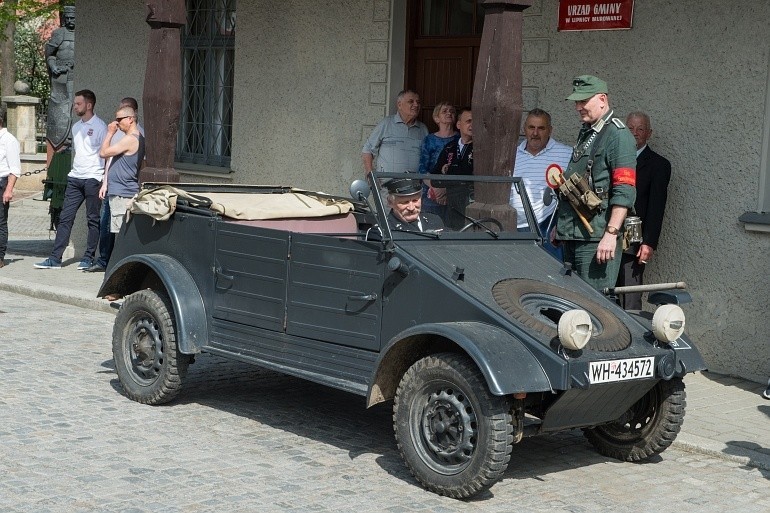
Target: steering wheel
[482, 221]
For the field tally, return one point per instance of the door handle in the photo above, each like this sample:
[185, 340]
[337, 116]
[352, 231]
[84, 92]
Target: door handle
[366, 297]
[228, 278]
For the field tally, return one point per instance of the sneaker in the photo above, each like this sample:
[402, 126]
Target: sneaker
[766, 393]
[96, 268]
[85, 264]
[48, 264]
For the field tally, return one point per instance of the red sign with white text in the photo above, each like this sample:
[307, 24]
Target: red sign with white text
[595, 15]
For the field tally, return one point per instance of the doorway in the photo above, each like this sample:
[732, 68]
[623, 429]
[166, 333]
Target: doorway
[443, 39]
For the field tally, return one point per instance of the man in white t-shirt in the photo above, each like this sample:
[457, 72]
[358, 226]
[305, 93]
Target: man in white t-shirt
[533, 156]
[10, 170]
[83, 182]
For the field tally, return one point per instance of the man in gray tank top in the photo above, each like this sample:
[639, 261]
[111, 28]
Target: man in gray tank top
[121, 181]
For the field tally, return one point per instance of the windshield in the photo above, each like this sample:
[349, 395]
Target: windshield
[444, 206]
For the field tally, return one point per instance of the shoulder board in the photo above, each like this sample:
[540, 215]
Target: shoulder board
[618, 123]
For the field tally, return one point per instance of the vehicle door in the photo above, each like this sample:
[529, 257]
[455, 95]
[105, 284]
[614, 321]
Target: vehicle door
[335, 290]
[250, 277]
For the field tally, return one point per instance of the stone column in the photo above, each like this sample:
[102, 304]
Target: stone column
[162, 95]
[21, 121]
[497, 106]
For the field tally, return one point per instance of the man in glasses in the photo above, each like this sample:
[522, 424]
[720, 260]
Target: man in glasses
[106, 237]
[121, 180]
[83, 182]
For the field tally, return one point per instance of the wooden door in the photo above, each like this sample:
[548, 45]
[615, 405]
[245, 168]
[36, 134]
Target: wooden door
[442, 48]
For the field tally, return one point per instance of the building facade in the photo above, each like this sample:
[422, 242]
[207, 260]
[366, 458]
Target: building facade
[306, 80]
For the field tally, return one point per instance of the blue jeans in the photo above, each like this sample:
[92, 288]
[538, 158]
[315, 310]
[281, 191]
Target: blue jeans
[78, 191]
[106, 237]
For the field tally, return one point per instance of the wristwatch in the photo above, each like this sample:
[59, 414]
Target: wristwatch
[611, 230]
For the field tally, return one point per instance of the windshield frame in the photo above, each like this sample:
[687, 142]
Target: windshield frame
[381, 208]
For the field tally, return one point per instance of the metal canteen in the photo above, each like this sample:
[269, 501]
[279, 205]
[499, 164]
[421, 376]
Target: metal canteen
[633, 225]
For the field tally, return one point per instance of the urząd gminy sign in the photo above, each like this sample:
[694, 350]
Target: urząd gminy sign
[595, 15]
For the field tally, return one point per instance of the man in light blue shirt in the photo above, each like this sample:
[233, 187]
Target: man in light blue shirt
[533, 156]
[397, 139]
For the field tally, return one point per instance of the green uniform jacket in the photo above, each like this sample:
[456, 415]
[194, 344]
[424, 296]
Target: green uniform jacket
[614, 150]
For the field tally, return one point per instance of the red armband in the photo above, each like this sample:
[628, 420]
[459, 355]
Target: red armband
[624, 176]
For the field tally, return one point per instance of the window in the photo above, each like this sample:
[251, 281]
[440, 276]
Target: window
[451, 18]
[205, 127]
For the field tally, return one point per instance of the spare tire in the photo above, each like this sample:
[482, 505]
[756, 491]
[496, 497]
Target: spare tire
[539, 306]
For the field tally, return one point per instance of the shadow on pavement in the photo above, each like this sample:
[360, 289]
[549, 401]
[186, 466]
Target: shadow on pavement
[341, 419]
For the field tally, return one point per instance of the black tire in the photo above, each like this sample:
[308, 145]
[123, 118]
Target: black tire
[454, 436]
[648, 428]
[527, 300]
[148, 363]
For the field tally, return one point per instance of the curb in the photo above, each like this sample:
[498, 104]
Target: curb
[743, 455]
[57, 294]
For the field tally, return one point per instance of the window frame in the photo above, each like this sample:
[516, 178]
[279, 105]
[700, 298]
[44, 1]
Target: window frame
[204, 137]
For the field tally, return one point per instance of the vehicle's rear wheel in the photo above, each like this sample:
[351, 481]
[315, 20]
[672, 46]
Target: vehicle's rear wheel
[148, 363]
[455, 437]
[647, 428]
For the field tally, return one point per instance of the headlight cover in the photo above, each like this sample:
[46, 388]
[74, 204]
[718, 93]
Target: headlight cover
[575, 329]
[668, 323]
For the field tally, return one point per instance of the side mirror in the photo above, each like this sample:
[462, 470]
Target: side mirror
[359, 190]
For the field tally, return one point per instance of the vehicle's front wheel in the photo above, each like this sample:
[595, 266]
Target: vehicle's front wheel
[454, 435]
[148, 363]
[647, 428]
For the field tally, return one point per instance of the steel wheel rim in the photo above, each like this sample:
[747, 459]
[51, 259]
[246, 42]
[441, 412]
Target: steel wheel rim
[144, 351]
[447, 430]
[638, 421]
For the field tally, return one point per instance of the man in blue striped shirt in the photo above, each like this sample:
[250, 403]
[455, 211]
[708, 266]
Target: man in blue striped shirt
[534, 154]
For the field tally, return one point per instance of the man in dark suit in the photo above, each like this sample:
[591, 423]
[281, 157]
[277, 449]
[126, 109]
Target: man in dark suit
[405, 202]
[653, 173]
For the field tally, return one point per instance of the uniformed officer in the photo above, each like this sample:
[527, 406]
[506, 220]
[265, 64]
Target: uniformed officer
[606, 152]
[405, 202]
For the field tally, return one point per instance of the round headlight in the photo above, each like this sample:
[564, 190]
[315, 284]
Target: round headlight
[668, 323]
[575, 329]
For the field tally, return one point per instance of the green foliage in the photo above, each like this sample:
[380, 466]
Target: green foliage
[29, 54]
[21, 10]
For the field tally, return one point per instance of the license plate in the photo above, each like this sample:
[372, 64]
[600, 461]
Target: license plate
[621, 370]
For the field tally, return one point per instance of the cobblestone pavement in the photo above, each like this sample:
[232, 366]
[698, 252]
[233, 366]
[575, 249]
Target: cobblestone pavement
[241, 439]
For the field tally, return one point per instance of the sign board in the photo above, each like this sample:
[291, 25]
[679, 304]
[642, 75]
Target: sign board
[595, 14]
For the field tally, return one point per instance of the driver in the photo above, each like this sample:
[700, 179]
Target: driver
[405, 202]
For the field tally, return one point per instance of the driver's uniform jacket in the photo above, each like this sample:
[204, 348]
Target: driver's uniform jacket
[613, 172]
[429, 222]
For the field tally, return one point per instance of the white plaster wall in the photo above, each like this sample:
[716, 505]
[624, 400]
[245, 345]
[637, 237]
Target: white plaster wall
[311, 81]
[111, 51]
[699, 68]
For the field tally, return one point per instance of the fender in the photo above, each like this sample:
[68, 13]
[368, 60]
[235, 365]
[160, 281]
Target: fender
[687, 357]
[506, 364]
[189, 311]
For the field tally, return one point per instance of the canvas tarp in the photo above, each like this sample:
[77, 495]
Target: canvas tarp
[160, 203]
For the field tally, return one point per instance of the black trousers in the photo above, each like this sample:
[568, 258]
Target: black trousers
[3, 218]
[631, 273]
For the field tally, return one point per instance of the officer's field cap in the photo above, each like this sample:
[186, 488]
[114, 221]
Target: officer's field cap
[585, 86]
[403, 186]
